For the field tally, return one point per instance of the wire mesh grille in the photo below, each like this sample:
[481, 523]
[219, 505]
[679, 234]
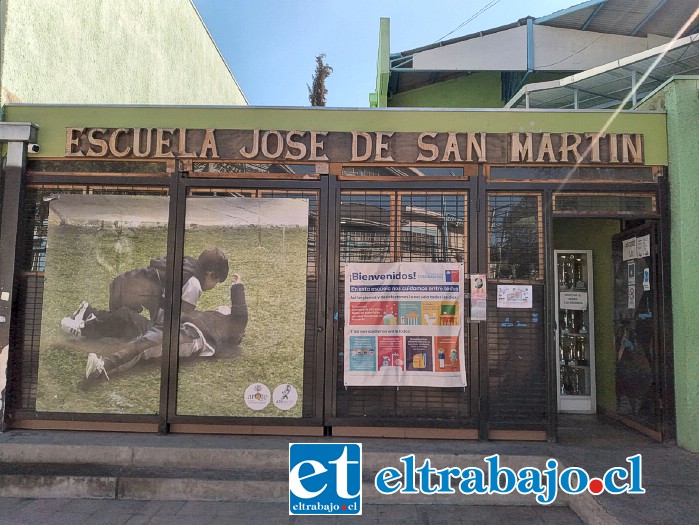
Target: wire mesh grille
[366, 221]
[252, 168]
[516, 346]
[516, 363]
[515, 237]
[96, 166]
[392, 226]
[401, 171]
[605, 204]
[572, 174]
[375, 226]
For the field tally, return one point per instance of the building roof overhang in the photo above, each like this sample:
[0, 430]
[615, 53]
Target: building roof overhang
[623, 82]
[638, 18]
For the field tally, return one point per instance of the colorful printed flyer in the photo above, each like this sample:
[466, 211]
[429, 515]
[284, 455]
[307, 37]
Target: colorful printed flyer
[514, 296]
[404, 324]
[479, 297]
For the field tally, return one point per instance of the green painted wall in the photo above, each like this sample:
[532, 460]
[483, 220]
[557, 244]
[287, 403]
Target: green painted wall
[596, 235]
[383, 66]
[478, 90]
[682, 104]
[52, 121]
[111, 51]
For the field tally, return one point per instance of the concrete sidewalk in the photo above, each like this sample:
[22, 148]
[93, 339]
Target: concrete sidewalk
[248, 477]
[102, 512]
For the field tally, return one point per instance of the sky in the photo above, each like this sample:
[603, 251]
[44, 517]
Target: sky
[270, 45]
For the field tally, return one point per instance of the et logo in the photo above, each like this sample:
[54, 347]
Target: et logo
[325, 479]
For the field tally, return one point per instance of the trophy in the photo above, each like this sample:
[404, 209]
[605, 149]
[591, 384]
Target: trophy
[578, 273]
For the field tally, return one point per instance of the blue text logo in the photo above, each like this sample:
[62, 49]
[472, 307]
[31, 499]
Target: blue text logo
[498, 479]
[325, 478]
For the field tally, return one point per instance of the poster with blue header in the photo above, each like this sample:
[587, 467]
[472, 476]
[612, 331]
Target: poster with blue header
[404, 324]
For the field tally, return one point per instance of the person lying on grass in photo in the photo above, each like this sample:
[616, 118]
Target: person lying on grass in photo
[201, 334]
[131, 292]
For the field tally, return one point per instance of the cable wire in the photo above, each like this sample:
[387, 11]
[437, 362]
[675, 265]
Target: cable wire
[472, 18]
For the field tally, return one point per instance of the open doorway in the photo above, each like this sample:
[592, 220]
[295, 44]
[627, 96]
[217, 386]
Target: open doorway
[627, 301]
[594, 235]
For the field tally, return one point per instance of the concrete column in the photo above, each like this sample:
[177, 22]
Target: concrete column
[682, 105]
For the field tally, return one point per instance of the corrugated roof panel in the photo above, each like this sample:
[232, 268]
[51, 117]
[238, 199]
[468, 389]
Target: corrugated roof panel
[664, 22]
[623, 17]
[572, 18]
[608, 85]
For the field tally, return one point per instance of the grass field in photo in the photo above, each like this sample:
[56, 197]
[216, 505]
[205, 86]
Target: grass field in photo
[82, 261]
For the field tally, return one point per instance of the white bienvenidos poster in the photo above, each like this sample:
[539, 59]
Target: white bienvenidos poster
[404, 324]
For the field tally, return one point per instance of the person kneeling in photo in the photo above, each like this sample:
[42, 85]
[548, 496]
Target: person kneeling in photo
[144, 288]
[201, 334]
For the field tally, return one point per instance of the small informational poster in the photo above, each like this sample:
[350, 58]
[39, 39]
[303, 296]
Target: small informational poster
[404, 324]
[643, 246]
[631, 272]
[573, 300]
[514, 296]
[646, 279]
[479, 297]
[632, 297]
[629, 251]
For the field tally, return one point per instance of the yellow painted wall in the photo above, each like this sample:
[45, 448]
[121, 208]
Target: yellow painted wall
[52, 121]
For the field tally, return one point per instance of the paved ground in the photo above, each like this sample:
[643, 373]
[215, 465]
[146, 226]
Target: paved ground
[112, 512]
[670, 477]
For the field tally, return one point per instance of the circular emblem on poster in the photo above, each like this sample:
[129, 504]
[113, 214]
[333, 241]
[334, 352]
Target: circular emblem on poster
[285, 396]
[257, 396]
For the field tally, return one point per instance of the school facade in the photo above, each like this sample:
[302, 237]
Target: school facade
[503, 198]
[295, 196]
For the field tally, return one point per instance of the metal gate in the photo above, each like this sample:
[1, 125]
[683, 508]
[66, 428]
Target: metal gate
[497, 233]
[352, 216]
[391, 221]
[44, 374]
[643, 368]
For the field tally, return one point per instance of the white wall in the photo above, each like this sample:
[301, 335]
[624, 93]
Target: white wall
[554, 50]
[503, 51]
[570, 50]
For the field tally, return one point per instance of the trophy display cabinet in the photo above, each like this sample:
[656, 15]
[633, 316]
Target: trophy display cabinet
[575, 339]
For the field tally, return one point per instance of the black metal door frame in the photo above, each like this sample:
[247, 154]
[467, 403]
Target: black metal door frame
[659, 359]
[180, 184]
[487, 187]
[475, 338]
